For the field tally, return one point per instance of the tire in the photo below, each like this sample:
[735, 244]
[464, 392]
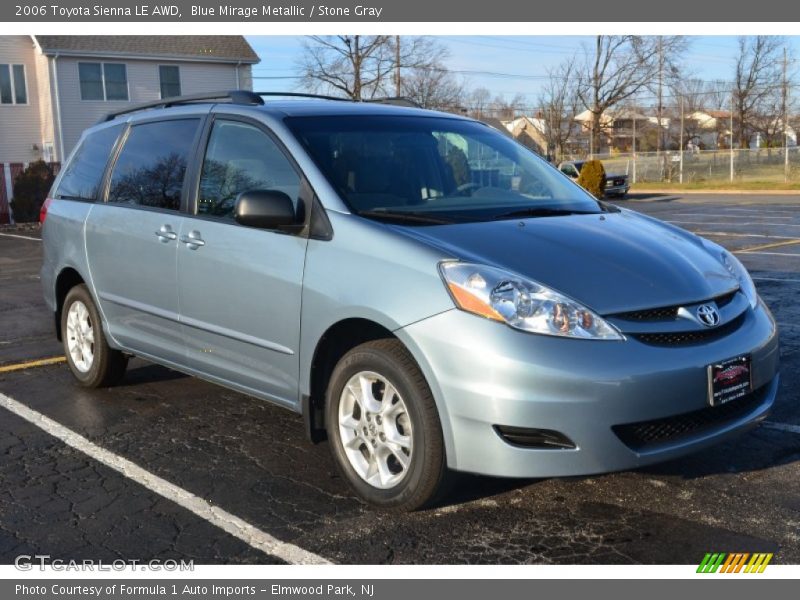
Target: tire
[358, 450]
[92, 362]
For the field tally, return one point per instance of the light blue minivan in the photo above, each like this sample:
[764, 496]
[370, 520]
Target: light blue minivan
[430, 295]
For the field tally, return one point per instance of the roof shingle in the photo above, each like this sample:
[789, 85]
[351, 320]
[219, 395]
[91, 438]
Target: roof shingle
[212, 47]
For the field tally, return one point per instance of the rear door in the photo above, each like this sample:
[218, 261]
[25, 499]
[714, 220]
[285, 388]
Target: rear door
[132, 239]
[240, 287]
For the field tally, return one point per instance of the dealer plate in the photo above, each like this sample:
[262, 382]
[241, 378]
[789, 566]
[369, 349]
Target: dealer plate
[729, 379]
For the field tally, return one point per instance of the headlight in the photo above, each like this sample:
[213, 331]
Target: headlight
[521, 303]
[738, 270]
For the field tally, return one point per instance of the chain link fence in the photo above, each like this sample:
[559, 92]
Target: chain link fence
[767, 165]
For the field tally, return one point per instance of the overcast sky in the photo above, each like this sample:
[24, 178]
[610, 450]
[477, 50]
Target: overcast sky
[506, 65]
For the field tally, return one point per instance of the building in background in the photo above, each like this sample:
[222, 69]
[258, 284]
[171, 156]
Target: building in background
[54, 86]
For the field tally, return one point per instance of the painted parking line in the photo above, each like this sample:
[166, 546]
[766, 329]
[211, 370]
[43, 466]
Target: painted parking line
[778, 279]
[21, 237]
[215, 515]
[757, 235]
[715, 214]
[781, 426]
[728, 223]
[31, 364]
[771, 245]
[768, 253]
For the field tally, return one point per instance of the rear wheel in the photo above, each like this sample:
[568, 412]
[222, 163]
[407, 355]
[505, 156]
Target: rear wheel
[384, 428]
[92, 362]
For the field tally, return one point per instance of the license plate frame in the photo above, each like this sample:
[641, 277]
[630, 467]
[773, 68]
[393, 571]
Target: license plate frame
[730, 379]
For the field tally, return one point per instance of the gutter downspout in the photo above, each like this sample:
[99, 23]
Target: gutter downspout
[61, 156]
[238, 85]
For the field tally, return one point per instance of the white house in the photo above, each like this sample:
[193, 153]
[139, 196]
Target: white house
[54, 86]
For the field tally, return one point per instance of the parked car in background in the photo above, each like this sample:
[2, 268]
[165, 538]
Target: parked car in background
[425, 291]
[616, 185]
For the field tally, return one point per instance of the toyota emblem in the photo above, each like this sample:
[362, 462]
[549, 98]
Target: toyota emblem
[708, 315]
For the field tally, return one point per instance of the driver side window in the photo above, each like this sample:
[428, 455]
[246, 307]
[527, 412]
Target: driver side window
[239, 158]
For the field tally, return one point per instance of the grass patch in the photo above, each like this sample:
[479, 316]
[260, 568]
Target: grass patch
[722, 186]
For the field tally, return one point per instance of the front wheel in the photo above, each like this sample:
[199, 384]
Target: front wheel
[93, 363]
[384, 428]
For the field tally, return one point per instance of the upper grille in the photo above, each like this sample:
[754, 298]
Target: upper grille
[670, 312]
[688, 337]
[640, 436]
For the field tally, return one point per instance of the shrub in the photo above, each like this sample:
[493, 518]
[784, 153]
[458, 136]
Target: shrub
[593, 178]
[30, 190]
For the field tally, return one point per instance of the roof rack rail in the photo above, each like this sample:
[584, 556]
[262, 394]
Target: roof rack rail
[396, 101]
[245, 97]
[301, 95]
[234, 96]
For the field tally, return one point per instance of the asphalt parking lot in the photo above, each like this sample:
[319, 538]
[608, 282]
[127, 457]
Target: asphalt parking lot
[211, 475]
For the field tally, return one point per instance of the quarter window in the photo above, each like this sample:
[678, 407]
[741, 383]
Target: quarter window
[103, 81]
[170, 79]
[12, 84]
[152, 164]
[82, 175]
[240, 158]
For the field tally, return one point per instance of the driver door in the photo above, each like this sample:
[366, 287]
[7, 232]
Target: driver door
[239, 288]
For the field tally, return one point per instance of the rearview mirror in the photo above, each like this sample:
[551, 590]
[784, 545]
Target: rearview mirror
[266, 209]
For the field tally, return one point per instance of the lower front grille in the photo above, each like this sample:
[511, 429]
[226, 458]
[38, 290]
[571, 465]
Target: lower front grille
[646, 434]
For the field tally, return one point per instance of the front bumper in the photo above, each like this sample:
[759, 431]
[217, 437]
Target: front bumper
[484, 374]
[617, 190]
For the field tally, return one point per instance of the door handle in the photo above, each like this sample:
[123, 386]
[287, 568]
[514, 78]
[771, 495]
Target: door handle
[193, 241]
[165, 234]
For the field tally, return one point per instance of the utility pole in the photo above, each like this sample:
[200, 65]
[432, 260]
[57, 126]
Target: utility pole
[659, 141]
[633, 144]
[680, 172]
[785, 117]
[731, 135]
[397, 85]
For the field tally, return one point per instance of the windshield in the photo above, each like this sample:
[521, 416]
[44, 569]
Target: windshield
[431, 170]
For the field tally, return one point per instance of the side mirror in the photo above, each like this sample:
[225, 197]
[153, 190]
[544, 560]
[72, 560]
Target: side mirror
[266, 209]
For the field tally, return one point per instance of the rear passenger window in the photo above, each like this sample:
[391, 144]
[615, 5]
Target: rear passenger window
[152, 164]
[83, 173]
[239, 158]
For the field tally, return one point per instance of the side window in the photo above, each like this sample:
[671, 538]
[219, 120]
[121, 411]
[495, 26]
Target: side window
[152, 164]
[569, 170]
[81, 178]
[240, 157]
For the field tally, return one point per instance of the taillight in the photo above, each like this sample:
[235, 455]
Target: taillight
[43, 211]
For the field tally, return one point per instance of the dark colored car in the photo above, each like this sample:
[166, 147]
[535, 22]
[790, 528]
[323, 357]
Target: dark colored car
[616, 185]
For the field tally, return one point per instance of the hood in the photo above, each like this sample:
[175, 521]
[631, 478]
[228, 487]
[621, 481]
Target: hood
[611, 262]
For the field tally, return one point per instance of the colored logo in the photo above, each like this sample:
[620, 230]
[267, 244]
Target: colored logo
[708, 315]
[732, 373]
[735, 562]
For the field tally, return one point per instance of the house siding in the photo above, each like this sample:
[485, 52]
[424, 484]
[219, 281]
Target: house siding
[143, 86]
[20, 125]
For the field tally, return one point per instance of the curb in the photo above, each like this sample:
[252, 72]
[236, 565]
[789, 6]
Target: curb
[716, 192]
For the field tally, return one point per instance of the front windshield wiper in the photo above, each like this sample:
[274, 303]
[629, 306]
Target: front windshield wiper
[542, 212]
[404, 216]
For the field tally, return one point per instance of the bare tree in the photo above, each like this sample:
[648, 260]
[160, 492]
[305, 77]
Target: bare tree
[479, 101]
[757, 78]
[615, 68]
[505, 109]
[434, 87]
[362, 67]
[559, 105]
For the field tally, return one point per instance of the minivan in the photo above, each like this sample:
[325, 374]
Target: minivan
[431, 296]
